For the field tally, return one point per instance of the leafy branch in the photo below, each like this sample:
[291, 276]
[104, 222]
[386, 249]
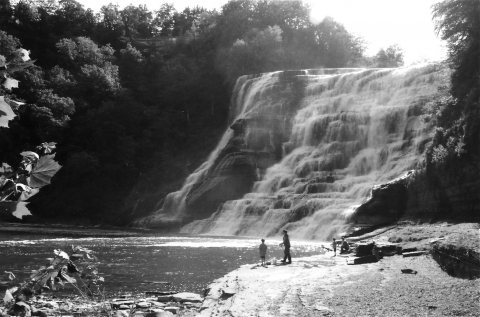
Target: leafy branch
[77, 268]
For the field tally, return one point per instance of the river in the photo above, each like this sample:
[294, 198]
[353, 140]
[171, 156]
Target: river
[138, 264]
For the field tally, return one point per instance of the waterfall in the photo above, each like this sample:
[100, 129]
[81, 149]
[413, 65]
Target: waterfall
[330, 135]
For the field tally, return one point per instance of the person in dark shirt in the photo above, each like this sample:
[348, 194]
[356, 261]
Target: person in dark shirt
[286, 244]
[263, 251]
[344, 247]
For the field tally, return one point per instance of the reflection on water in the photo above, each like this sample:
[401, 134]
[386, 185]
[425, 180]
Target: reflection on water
[137, 264]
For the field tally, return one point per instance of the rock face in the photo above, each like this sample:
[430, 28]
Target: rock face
[435, 197]
[386, 203]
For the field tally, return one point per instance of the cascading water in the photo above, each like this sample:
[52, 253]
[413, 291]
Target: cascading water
[350, 129]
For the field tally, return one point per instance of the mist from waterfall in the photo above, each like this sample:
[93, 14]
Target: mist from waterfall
[354, 128]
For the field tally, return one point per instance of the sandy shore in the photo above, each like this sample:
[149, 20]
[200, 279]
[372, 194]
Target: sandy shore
[325, 285]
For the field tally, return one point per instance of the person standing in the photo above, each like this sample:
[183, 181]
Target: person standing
[263, 251]
[334, 247]
[286, 244]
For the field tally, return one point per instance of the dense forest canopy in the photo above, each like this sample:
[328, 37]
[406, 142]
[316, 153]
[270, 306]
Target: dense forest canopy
[455, 111]
[137, 99]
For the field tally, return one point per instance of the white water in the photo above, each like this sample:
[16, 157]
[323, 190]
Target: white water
[354, 123]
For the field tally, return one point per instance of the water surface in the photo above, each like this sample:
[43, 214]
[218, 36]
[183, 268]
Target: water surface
[137, 264]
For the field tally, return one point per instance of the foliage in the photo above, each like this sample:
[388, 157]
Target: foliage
[455, 111]
[77, 267]
[136, 99]
[391, 57]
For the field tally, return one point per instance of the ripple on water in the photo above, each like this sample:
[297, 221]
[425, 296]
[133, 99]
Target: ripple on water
[139, 264]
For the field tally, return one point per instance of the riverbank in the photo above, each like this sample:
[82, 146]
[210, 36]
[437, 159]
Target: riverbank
[325, 285]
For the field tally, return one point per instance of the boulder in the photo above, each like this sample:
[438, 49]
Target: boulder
[364, 248]
[187, 297]
[386, 203]
[388, 249]
[228, 292]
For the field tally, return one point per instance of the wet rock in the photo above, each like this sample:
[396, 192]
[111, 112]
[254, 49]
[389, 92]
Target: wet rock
[117, 304]
[143, 305]
[172, 309]
[164, 298]
[52, 304]
[415, 253]
[187, 297]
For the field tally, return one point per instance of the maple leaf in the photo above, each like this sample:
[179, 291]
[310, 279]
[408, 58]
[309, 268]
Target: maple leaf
[62, 254]
[10, 83]
[23, 54]
[6, 113]
[11, 276]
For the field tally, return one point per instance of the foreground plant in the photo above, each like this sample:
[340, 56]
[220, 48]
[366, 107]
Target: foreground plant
[77, 268]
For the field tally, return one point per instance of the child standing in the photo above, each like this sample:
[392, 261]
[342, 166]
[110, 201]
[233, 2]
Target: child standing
[263, 251]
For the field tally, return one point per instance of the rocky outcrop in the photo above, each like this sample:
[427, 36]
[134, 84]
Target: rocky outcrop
[433, 197]
[386, 203]
[456, 259]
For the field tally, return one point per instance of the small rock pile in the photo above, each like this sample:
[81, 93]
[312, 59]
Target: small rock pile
[154, 304]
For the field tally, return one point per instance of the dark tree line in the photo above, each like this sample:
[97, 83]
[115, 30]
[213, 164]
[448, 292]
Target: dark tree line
[137, 99]
[455, 111]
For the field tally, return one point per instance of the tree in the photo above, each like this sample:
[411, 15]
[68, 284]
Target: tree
[164, 20]
[137, 21]
[259, 51]
[391, 57]
[455, 113]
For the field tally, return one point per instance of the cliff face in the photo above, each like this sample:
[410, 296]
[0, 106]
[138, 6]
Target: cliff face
[421, 196]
